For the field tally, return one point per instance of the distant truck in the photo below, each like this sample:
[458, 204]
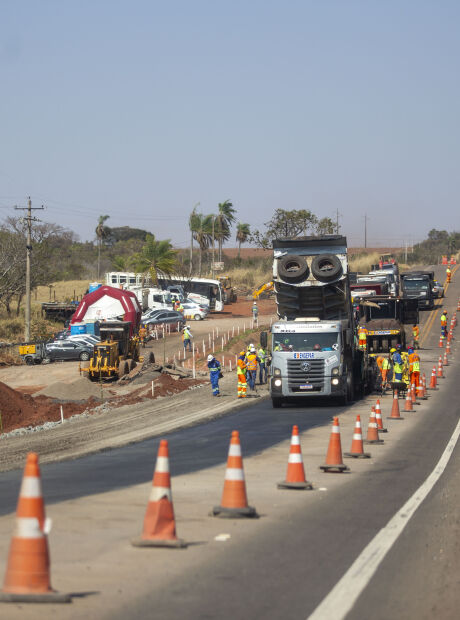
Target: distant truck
[419, 285]
[314, 348]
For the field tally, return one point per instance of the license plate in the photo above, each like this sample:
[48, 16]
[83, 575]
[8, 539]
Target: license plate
[306, 386]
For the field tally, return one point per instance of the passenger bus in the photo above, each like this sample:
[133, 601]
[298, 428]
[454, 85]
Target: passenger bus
[211, 290]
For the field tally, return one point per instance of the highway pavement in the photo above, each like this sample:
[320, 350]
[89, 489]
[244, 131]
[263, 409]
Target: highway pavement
[284, 564]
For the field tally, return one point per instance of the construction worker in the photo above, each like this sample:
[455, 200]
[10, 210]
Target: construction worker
[241, 370]
[263, 366]
[444, 324]
[186, 338]
[414, 368]
[415, 336]
[405, 364]
[362, 338]
[143, 335]
[448, 274]
[386, 366]
[176, 305]
[180, 308]
[397, 362]
[255, 314]
[215, 374]
[252, 360]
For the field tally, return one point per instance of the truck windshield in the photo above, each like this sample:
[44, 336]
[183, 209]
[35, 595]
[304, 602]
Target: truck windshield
[321, 341]
[416, 285]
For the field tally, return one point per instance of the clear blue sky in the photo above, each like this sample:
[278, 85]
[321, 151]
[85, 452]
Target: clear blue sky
[141, 109]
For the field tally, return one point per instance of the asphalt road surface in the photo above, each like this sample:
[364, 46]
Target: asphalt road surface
[284, 564]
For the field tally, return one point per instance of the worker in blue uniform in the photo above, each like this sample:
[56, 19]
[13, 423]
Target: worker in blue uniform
[214, 374]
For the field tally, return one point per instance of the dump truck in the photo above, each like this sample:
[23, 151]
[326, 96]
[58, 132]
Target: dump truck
[419, 285]
[116, 355]
[314, 348]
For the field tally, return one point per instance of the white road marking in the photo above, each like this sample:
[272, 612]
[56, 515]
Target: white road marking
[340, 600]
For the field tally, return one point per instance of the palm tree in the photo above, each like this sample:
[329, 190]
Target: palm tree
[223, 221]
[119, 263]
[154, 258]
[101, 232]
[202, 233]
[242, 233]
[192, 225]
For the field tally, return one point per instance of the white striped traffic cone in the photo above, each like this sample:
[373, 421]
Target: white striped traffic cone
[295, 475]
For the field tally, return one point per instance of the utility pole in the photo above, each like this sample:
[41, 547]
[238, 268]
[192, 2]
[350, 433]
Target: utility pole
[29, 219]
[191, 240]
[337, 227]
[365, 230]
[405, 252]
[212, 268]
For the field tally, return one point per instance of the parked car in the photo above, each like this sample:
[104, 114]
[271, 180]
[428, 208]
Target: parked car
[152, 313]
[166, 316]
[68, 350]
[438, 289]
[195, 311]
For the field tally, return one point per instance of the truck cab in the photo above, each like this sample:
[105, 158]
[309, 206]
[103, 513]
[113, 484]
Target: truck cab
[419, 285]
[311, 358]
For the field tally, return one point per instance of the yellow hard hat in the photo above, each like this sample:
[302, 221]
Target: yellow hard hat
[392, 350]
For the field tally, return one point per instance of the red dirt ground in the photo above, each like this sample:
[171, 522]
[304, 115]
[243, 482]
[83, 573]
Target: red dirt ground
[243, 308]
[18, 409]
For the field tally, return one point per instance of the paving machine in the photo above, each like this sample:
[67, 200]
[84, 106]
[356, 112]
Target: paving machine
[117, 353]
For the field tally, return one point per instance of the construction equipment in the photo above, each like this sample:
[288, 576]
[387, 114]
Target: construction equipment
[33, 353]
[229, 291]
[117, 353]
[265, 288]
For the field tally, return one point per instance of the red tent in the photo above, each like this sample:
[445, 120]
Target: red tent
[109, 303]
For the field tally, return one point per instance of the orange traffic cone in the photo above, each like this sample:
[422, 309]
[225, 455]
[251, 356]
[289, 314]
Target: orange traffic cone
[357, 449]
[334, 462]
[408, 403]
[295, 476]
[372, 430]
[378, 417]
[27, 578]
[395, 415]
[234, 500]
[448, 351]
[413, 395]
[445, 361]
[433, 382]
[424, 390]
[159, 524]
[440, 374]
[441, 342]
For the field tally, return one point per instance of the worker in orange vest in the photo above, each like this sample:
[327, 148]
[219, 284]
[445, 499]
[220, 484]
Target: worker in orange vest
[414, 367]
[241, 370]
[444, 324]
[415, 335]
[362, 337]
[448, 274]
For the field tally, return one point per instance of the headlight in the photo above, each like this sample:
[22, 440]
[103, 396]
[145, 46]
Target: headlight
[277, 372]
[335, 382]
[277, 382]
[335, 371]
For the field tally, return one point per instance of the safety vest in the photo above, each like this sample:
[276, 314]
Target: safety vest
[443, 320]
[252, 361]
[215, 367]
[241, 366]
[414, 362]
[397, 366]
[415, 332]
[186, 334]
[385, 364]
[262, 355]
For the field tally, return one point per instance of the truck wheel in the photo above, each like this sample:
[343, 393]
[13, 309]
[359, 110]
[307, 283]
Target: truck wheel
[29, 360]
[276, 403]
[123, 368]
[37, 360]
[326, 267]
[293, 268]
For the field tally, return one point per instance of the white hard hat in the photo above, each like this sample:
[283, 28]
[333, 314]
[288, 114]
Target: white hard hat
[251, 346]
[210, 357]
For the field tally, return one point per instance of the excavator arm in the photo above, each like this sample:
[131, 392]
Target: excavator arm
[268, 286]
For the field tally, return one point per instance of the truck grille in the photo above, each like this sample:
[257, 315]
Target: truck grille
[298, 377]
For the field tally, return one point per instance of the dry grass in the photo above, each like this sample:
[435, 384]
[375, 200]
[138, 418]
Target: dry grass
[61, 291]
[12, 329]
[249, 278]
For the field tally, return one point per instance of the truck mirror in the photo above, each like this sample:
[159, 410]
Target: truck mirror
[263, 339]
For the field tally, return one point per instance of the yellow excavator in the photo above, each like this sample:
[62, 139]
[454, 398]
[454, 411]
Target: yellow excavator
[265, 288]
